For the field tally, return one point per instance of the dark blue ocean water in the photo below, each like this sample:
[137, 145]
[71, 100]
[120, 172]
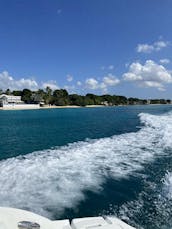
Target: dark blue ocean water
[66, 163]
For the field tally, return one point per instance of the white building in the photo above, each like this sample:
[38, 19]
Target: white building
[10, 102]
[9, 99]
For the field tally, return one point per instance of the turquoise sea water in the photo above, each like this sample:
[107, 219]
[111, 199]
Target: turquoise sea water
[66, 163]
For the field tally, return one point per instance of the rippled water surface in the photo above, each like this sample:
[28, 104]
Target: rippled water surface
[65, 163]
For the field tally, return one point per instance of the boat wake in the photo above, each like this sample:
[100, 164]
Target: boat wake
[153, 207]
[55, 179]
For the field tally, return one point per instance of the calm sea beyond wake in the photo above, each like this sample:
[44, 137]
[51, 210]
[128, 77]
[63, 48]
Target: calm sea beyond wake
[68, 163]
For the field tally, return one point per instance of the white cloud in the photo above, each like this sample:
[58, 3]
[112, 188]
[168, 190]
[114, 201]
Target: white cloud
[160, 44]
[52, 84]
[92, 83]
[149, 48]
[150, 74]
[164, 61]
[157, 85]
[145, 48]
[7, 81]
[69, 78]
[110, 80]
[103, 84]
[79, 83]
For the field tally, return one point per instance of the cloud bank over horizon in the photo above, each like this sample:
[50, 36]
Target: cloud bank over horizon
[141, 74]
[9, 82]
[147, 75]
[88, 47]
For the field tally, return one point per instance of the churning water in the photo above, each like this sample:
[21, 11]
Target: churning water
[125, 171]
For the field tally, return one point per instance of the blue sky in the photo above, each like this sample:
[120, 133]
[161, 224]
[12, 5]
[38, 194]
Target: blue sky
[96, 46]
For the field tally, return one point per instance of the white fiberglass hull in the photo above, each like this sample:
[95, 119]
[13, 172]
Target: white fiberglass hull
[11, 218]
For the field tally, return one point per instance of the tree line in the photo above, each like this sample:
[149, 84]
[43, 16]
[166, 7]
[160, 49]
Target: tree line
[61, 97]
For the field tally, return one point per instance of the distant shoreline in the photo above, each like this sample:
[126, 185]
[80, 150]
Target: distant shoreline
[70, 106]
[50, 107]
[74, 106]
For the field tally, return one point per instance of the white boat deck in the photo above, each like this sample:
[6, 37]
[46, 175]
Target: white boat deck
[10, 218]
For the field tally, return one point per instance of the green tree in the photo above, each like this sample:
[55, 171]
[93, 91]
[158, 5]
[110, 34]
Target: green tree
[26, 96]
[47, 95]
[8, 92]
[77, 100]
[119, 100]
[17, 93]
[93, 99]
[60, 97]
[1, 91]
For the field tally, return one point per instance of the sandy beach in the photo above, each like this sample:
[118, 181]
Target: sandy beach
[55, 107]
[72, 106]
[49, 107]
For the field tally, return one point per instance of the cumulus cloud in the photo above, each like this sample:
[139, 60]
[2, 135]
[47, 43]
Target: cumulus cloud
[92, 83]
[7, 81]
[145, 48]
[79, 83]
[160, 44]
[149, 74]
[69, 78]
[52, 84]
[164, 61]
[103, 84]
[110, 80]
[149, 48]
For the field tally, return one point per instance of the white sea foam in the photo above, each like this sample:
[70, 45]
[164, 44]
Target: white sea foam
[56, 178]
[167, 189]
[162, 124]
[152, 208]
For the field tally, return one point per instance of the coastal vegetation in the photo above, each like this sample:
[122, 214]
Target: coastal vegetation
[61, 97]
